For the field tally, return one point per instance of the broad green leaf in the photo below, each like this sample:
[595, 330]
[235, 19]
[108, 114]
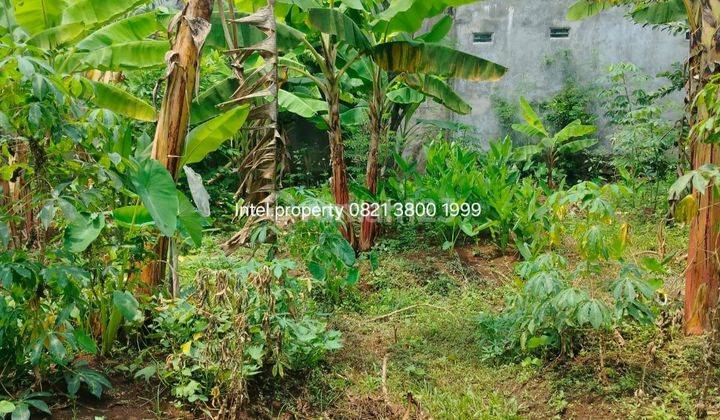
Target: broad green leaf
[85, 342]
[526, 152]
[288, 101]
[405, 95]
[22, 412]
[535, 126]
[57, 35]
[316, 270]
[134, 28]
[82, 231]
[353, 4]
[157, 191]
[660, 12]
[6, 407]
[577, 145]
[209, 136]
[190, 221]
[92, 12]
[572, 130]
[205, 105]
[333, 22]
[343, 251]
[436, 88]
[439, 30]
[420, 57]
[132, 215]
[409, 15]
[587, 8]
[39, 405]
[38, 15]
[107, 96]
[354, 116]
[131, 55]
[128, 306]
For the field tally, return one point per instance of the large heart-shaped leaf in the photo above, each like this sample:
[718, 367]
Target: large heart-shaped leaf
[157, 191]
[128, 306]
[82, 231]
[209, 136]
[190, 221]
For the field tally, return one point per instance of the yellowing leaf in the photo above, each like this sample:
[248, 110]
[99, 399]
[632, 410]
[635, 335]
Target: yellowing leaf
[185, 348]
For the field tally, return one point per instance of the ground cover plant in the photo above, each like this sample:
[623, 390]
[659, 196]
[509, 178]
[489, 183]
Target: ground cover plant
[160, 258]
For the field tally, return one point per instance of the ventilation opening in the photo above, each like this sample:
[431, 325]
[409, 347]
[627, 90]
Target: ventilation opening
[482, 37]
[559, 32]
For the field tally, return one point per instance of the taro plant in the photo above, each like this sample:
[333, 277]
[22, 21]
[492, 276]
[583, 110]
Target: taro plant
[551, 147]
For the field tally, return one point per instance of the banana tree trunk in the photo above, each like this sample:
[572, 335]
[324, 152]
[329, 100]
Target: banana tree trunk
[192, 26]
[339, 184]
[368, 227]
[702, 276]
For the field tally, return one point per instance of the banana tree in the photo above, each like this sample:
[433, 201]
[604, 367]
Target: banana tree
[396, 61]
[551, 147]
[701, 17]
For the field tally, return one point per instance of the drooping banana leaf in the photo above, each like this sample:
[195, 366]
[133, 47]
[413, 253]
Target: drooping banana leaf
[209, 136]
[119, 101]
[425, 58]
[437, 89]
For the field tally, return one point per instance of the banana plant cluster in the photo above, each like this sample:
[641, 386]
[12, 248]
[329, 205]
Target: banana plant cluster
[358, 62]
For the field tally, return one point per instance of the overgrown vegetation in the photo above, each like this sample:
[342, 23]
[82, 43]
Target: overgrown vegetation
[149, 246]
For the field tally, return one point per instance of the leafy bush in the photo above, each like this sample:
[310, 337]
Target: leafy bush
[236, 324]
[511, 208]
[554, 306]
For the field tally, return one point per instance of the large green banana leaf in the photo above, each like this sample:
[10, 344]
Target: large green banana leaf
[57, 35]
[119, 101]
[304, 107]
[36, 16]
[437, 89]
[333, 22]
[408, 15]
[439, 30]
[585, 8]
[134, 28]
[205, 106]
[93, 12]
[128, 56]
[209, 136]
[420, 57]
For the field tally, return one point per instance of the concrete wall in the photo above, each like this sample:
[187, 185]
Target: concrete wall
[536, 62]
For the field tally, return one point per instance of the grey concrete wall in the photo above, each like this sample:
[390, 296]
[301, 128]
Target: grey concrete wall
[522, 43]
